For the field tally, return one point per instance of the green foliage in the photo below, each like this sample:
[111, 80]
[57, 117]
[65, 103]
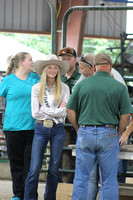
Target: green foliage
[101, 45]
[42, 43]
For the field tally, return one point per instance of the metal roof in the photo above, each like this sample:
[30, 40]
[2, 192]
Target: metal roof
[25, 15]
[35, 16]
[105, 23]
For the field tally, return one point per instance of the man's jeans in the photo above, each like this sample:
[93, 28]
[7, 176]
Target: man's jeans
[96, 176]
[56, 136]
[101, 144]
[93, 183]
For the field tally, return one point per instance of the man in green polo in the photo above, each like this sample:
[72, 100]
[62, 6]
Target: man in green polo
[72, 76]
[99, 109]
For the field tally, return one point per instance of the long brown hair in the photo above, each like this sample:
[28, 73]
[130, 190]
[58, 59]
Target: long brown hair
[14, 63]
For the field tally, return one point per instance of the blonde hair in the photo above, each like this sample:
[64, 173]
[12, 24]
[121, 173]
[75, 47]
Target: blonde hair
[14, 62]
[42, 88]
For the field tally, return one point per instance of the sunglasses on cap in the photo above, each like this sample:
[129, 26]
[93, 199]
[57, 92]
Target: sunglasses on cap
[83, 60]
[67, 50]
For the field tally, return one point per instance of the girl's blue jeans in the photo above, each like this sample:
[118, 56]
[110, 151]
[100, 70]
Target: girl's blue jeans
[56, 136]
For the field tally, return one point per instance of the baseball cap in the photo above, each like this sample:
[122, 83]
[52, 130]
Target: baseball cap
[67, 51]
[102, 59]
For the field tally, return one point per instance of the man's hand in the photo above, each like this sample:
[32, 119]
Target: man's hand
[125, 135]
[123, 139]
[72, 116]
[124, 121]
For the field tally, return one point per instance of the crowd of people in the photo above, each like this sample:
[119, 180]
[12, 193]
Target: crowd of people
[40, 98]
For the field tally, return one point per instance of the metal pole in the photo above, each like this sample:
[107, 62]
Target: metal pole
[96, 8]
[123, 37]
[53, 25]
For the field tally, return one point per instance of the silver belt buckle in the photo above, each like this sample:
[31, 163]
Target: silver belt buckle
[48, 123]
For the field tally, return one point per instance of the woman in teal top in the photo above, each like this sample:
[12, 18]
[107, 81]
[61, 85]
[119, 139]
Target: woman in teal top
[18, 122]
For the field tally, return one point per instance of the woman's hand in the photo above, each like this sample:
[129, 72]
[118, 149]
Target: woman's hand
[63, 104]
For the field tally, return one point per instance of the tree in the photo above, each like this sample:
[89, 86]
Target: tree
[42, 43]
[101, 45]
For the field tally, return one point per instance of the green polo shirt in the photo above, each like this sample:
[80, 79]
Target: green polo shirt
[99, 100]
[72, 80]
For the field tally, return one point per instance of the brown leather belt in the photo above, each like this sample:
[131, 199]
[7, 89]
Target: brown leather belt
[105, 126]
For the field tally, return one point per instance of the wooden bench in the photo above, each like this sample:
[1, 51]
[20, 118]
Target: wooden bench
[126, 152]
[125, 191]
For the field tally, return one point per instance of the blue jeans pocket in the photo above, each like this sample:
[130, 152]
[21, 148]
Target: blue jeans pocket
[112, 138]
[80, 139]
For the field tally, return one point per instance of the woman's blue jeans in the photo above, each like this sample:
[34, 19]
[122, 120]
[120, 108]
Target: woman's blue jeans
[99, 144]
[56, 136]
